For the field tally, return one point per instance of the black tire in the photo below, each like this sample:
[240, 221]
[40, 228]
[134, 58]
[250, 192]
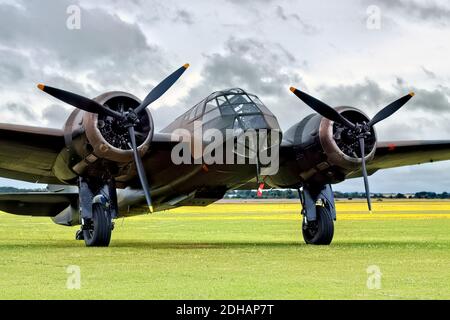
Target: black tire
[321, 231]
[98, 231]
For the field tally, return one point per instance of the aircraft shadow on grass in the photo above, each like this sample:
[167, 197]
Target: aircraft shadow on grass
[186, 245]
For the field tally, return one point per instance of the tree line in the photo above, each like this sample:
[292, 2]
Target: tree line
[17, 190]
[293, 194]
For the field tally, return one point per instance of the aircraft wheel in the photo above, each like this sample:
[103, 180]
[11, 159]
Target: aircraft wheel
[321, 231]
[98, 231]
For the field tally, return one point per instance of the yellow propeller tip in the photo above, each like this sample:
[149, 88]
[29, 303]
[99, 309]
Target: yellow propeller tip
[412, 94]
[150, 208]
[41, 86]
[186, 65]
[292, 89]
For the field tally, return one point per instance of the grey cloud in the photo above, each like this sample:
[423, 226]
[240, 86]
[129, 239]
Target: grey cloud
[436, 100]
[429, 73]
[55, 115]
[155, 13]
[365, 95]
[413, 126]
[258, 2]
[262, 68]
[369, 95]
[11, 66]
[18, 72]
[426, 116]
[37, 47]
[402, 130]
[111, 51]
[283, 16]
[101, 35]
[21, 111]
[429, 11]
[305, 27]
[184, 17]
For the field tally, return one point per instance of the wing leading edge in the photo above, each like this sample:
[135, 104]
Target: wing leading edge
[395, 154]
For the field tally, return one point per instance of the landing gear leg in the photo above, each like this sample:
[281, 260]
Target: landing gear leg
[98, 207]
[318, 215]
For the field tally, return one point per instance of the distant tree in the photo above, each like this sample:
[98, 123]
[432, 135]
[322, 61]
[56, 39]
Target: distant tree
[16, 190]
[293, 194]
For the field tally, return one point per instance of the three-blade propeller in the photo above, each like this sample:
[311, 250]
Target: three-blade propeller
[359, 131]
[127, 118]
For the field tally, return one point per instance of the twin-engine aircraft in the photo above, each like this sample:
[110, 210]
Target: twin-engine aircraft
[107, 162]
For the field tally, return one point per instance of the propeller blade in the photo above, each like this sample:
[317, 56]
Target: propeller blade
[161, 88]
[322, 108]
[140, 168]
[364, 171]
[390, 109]
[78, 101]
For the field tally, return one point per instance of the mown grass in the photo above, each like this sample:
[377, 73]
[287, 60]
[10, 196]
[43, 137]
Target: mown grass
[228, 251]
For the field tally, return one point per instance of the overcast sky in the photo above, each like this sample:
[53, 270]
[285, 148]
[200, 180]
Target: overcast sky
[263, 46]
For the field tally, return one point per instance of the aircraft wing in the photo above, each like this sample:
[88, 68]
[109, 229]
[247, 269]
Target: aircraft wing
[36, 203]
[405, 153]
[28, 153]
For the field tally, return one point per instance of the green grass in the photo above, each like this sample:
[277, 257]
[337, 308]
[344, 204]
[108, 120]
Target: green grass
[204, 256]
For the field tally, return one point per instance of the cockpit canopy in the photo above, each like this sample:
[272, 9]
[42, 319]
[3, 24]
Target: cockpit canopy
[229, 109]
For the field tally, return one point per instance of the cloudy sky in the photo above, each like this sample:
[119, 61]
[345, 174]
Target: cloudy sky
[338, 51]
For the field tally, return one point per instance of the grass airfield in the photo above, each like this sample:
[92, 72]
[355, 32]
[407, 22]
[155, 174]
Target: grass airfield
[235, 251]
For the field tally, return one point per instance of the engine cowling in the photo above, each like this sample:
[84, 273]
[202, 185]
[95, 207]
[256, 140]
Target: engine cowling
[108, 138]
[324, 152]
[342, 150]
[91, 137]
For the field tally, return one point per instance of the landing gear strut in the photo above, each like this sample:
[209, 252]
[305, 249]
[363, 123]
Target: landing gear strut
[318, 214]
[98, 208]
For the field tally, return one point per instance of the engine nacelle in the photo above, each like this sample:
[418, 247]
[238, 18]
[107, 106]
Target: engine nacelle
[324, 152]
[91, 137]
